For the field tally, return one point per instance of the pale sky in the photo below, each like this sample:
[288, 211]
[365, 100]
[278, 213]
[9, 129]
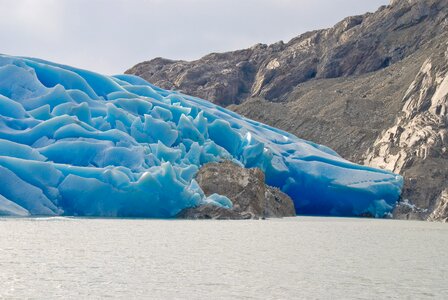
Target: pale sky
[110, 36]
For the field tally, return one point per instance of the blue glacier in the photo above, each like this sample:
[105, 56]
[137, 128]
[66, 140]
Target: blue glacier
[74, 142]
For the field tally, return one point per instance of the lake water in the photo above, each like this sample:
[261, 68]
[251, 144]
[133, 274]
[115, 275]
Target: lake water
[300, 257]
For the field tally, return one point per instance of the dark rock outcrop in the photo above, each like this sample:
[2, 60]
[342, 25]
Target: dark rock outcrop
[247, 190]
[373, 88]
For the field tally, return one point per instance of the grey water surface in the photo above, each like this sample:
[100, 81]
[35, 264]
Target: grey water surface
[292, 258]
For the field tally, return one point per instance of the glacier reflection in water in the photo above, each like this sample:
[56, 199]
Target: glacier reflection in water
[290, 258]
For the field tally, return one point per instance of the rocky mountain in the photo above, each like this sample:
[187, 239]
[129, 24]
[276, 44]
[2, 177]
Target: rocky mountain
[416, 145]
[374, 88]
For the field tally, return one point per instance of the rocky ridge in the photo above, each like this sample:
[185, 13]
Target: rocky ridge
[373, 87]
[356, 45]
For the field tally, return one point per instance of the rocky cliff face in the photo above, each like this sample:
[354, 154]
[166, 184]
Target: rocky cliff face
[373, 87]
[356, 45]
[416, 145]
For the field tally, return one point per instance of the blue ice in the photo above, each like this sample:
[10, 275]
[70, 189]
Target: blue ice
[74, 142]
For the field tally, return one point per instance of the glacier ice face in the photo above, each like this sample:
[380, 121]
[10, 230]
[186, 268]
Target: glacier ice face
[75, 142]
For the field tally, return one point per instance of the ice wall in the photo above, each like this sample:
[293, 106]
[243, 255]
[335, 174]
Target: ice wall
[75, 142]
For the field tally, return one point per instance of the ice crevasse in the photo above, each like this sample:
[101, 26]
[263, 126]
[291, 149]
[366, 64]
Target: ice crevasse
[74, 142]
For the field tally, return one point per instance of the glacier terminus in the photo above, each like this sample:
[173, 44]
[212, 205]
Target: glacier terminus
[77, 143]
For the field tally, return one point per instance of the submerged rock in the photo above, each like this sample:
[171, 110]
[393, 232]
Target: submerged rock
[246, 188]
